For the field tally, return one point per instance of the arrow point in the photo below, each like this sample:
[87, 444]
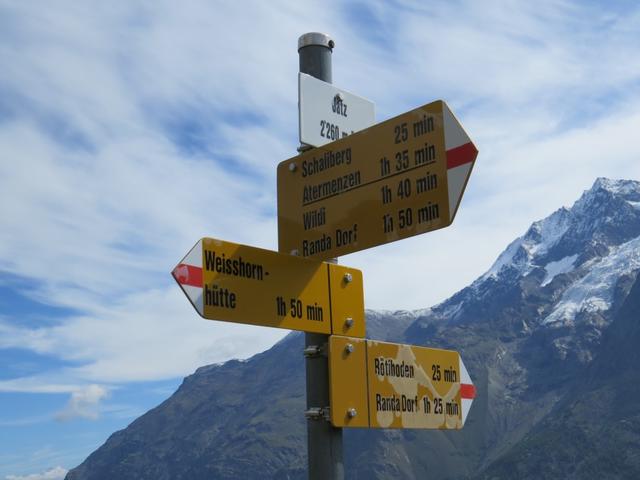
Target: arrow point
[467, 391]
[454, 134]
[461, 154]
[181, 273]
[188, 273]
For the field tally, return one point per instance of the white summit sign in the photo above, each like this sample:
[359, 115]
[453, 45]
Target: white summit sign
[327, 113]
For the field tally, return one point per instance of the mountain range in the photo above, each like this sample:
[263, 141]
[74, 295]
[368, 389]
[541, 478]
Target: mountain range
[549, 334]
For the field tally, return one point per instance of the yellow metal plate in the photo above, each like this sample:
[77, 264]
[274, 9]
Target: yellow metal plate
[348, 382]
[405, 386]
[376, 186]
[272, 290]
[413, 387]
[347, 301]
[238, 283]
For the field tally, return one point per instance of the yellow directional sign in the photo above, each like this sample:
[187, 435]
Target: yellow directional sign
[396, 179]
[389, 385]
[237, 283]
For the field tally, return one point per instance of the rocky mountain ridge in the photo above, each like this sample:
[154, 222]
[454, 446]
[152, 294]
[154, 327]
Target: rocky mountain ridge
[543, 332]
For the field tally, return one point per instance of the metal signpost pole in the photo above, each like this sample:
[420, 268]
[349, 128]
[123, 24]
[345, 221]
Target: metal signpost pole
[324, 442]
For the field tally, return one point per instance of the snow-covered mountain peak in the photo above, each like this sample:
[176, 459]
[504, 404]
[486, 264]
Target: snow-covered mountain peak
[572, 263]
[544, 234]
[523, 252]
[603, 191]
[599, 216]
[617, 187]
[594, 292]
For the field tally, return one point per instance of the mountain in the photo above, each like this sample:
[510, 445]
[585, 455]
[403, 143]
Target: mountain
[549, 334]
[595, 431]
[242, 419]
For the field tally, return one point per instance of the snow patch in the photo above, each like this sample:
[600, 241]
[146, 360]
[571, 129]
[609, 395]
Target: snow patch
[451, 312]
[594, 291]
[539, 239]
[550, 231]
[556, 268]
[410, 314]
[619, 187]
[505, 258]
[635, 205]
[422, 312]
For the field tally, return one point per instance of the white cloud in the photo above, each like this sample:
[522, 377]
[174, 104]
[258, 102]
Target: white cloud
[129, 131]
[56, 473]
[150, 335]
[99, 198]
[37, 383]
[84, 403]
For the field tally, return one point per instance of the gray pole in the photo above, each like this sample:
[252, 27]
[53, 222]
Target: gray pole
[324, 442]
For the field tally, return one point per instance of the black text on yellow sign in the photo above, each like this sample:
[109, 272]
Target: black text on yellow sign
[388, 385]
[238, 283]
[393, 180]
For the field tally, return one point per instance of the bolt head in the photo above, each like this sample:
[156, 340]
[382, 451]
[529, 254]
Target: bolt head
[352, 412]
[292, 167]
[294, 252]
[348, 277]
[348, 348]
[348, 322]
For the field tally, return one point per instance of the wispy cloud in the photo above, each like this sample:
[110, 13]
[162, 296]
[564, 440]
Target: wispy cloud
[25, 421]
[148, 335]
[127, 132]
[56, 473]
[84, 403]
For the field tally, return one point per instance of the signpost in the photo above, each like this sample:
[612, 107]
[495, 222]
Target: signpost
[399, 178]
[324, 441]
[328, 113]
[389, 385]
[237, 283]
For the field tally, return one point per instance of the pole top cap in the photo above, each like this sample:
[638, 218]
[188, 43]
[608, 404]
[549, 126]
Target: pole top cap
[315, 38]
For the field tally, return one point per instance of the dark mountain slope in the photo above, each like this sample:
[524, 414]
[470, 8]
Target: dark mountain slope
[251, 424]
[548, 335]
[236, 420]
[594, 432]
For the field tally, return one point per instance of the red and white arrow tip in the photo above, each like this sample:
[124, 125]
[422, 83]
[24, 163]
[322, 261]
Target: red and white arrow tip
[467, 391]
[461, 155]
[188, 274]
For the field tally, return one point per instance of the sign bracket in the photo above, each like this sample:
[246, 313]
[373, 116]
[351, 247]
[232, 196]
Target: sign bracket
[318, 413]
[316, 351]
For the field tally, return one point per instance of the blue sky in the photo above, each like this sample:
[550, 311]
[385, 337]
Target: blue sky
[128, 130]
